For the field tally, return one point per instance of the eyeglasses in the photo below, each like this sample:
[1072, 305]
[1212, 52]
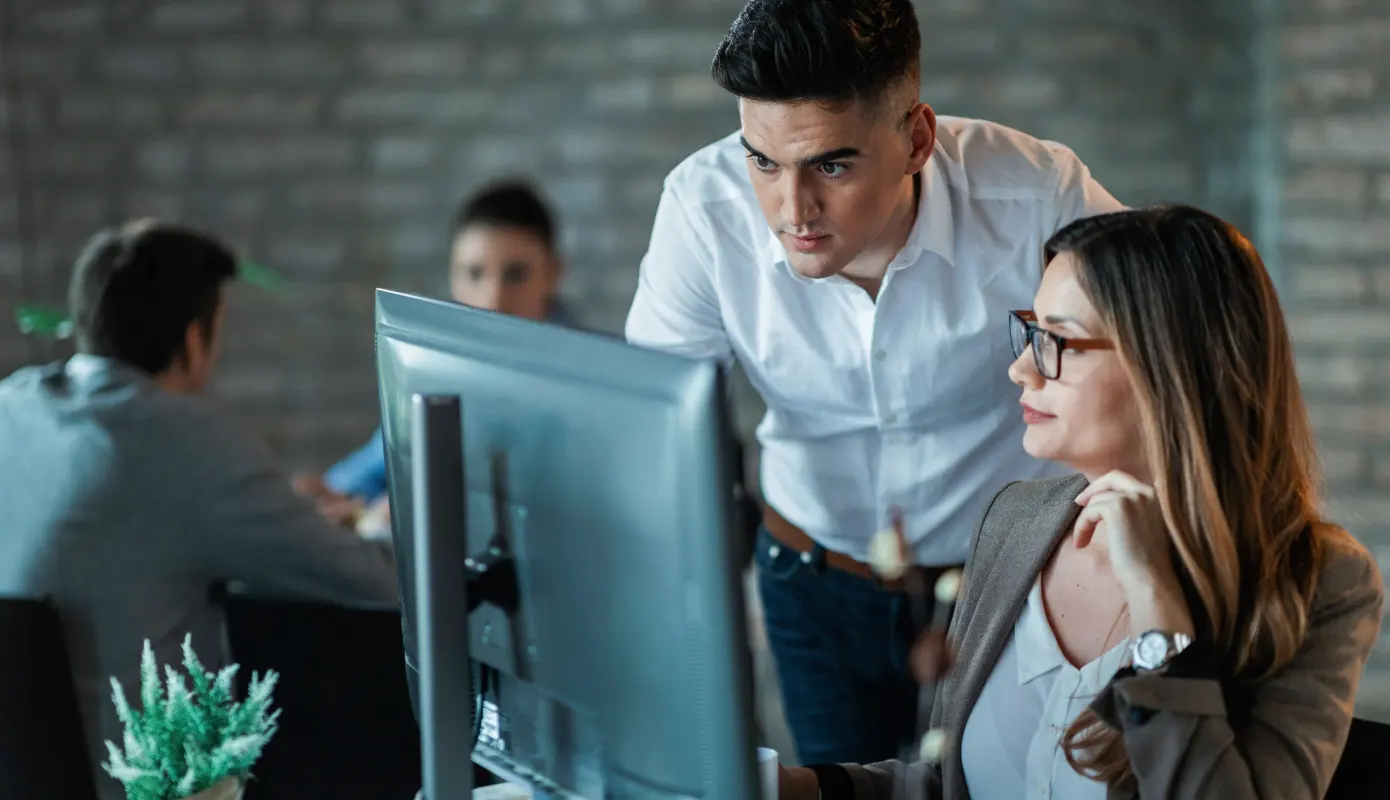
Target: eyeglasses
[1047, 346]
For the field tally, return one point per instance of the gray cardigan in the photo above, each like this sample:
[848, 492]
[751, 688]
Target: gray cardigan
[129, 506]
[1290, 745]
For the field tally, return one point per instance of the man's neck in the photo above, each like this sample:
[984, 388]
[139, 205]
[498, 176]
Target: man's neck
[174, 381]
[869, 269]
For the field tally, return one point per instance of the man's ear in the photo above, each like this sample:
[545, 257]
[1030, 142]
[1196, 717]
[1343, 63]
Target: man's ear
[195, 347]
[921, 122]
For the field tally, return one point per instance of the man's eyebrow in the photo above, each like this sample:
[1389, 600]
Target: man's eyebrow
[838, 154]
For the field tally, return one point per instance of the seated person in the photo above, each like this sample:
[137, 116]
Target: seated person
[1177, 620]
[133, 500]
[503, 259]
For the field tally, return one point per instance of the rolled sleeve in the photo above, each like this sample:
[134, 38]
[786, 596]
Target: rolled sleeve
[676, 308]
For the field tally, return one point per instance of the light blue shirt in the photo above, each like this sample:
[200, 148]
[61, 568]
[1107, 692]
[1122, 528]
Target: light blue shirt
[362, 473]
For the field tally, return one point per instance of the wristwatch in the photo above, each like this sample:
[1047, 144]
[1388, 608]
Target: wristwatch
[1152, 650]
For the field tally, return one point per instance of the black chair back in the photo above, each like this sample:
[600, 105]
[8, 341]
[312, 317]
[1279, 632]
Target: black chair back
[346, 725]
[43, 752]
[1364, 770]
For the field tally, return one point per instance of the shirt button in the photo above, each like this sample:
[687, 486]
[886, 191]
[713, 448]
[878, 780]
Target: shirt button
[880, 355]
[891, 418]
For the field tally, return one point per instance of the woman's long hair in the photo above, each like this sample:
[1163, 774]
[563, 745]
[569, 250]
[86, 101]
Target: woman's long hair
[1198, 327]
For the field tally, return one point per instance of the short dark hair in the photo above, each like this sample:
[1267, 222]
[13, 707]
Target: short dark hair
[508, 204]
[830, 51]
[136, 289]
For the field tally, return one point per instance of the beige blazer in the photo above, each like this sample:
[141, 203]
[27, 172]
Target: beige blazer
[1293, 734]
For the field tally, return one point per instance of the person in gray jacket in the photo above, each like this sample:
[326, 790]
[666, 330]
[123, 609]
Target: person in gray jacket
[131, 500]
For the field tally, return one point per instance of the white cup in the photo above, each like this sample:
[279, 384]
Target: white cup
[767, 772]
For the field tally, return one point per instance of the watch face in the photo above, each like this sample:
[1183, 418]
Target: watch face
[1151, 651]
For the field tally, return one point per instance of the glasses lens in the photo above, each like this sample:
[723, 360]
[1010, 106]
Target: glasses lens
[1018, 334]
[1047, 353]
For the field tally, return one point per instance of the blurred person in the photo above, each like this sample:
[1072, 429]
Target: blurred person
[137, 499]
[504, 258]
[1178, 619]
[856, 253]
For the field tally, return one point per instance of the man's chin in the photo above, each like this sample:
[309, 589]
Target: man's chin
[815, 267]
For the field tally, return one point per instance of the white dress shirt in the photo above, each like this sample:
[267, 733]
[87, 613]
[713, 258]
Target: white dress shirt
[1011, 745]
[900, 402]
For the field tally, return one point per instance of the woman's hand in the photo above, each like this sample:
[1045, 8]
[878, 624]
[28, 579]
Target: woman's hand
[1140, 549]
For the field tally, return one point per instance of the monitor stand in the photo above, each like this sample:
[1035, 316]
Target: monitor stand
[449, 586]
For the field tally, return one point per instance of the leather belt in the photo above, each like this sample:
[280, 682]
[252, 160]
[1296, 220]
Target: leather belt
[790, 535]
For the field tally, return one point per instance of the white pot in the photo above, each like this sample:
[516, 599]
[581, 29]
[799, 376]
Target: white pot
[229, 788]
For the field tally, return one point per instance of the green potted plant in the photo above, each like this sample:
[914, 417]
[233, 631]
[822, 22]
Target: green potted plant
[187, 743]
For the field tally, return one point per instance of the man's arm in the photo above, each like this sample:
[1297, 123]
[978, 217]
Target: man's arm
[249, 526]
[1078, 193]
[361, 473]
[676, 308]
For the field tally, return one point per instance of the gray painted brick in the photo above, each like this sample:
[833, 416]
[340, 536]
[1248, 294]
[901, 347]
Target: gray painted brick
[1358, 41]
[53, 18]
[554, 12]
[280, 15]
[443, 59]
[164, 159]
[266, 65]
[148, 202]
[444, 106]
[264, 158]
[252, 108]
[1339, 236]
[1320, 185]
[1072, 44]
[302, 254]
[455, 12]
[187, 16]
[359, 14]
[1344, 327]
[1330, 88]
[694, 92]
[145, 64]
[631, 95]
[405, 153]
[665, 50]
[1348, 138]
[1334, 285]
[103, 110]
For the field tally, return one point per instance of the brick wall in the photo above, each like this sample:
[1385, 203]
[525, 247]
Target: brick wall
[331, 138]
[1335, 254]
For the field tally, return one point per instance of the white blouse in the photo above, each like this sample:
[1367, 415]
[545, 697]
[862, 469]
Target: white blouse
[1011, 746]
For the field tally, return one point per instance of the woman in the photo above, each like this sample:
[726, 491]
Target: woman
[1157, 364]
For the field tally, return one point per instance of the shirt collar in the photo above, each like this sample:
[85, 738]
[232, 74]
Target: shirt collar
[933, 229]
[1036, 649]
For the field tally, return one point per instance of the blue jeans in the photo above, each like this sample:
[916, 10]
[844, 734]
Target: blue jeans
[841, 645]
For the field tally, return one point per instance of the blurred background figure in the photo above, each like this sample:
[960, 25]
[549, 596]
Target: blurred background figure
[138, 502]
[503, 258]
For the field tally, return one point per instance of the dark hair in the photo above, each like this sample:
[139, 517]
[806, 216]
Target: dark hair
[1198, 327]
[508, 204]
[830, 51]
[136, 289]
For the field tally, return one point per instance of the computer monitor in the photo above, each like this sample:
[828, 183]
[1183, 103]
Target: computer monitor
[564, 519]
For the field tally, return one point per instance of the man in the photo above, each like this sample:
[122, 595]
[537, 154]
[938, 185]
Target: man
[504, 257]
[136, 499]
[859, 256]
